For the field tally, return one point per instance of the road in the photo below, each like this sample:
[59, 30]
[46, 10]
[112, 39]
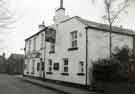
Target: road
[12, 85]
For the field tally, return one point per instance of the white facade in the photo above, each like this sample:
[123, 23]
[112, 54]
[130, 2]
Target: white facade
[66, 59]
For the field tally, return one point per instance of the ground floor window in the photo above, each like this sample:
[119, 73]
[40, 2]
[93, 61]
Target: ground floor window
[49, 67]
[42, 67]
[33, 66]
[81, 68]
[65, 66]
[38, 66]
[56, 66]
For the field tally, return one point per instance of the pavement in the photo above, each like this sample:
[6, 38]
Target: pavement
[10, 84]
[62, 89]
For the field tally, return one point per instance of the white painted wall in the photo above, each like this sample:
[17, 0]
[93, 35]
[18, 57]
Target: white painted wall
[37, 60]
[62, 45]
[98, 48]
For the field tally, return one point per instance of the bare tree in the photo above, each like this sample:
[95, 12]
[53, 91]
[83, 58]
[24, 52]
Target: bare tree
[113, 9]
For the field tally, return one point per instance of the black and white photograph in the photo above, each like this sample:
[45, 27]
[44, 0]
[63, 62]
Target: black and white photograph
[67, 46]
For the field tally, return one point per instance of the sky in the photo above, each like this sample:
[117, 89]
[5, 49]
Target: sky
[30, 13]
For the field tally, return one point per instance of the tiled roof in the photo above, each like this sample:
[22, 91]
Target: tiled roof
[105, 26]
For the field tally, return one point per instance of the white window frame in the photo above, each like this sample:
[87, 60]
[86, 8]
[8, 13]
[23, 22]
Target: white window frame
[34, 43]
[33, 66]
[74, 41]
[42, 40]
[81, 66]
[50, 65]
[52, 47]
[65, 65]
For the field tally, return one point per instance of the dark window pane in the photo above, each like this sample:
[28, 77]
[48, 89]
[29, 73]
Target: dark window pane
[38, 66]
[42, 66]
[56, 66]
[65, 69]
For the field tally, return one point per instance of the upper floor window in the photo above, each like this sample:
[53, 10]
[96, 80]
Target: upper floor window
[42, 40]
[52, 48]
[74, 39]
[29, 45]
[34, 43]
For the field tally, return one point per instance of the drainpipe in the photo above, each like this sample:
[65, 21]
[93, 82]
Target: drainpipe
[86, 81]
[133, 55]
[24, 58]
[44, 56]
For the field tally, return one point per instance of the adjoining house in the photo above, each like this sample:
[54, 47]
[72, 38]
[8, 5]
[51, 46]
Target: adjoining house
[15, 64]
[66, 50]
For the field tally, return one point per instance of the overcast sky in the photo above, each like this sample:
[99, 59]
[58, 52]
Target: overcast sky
[30, 13]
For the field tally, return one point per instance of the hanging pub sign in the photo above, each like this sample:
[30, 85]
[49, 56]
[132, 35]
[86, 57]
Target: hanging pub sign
[50, 35]
[35, 54]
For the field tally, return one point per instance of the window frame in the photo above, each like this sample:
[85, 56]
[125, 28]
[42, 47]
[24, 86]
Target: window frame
[65, 66]
[74, 37]
[42, 41]
[52, 48]
[73, 40]
[49, 67]
[33, 67]
[34, 43]
[38, 67]
[81, 68]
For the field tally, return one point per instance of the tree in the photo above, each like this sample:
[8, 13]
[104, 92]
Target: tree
[113, 9]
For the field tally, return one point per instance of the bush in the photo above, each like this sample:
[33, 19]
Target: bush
[114, 69]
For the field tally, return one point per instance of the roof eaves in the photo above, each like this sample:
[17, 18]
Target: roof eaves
[105, 27]
[35, 34]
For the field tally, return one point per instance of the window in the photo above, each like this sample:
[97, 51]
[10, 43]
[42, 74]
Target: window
[74, 39]
[29, 45]
[34, 47]
[25, 66]
[42, 67]
[38, 66]
[81, 68]
[49, 67]
[42, 40]
[33, 67]
[81, 65]
[56, 66]
[52, 48]
[65, 65]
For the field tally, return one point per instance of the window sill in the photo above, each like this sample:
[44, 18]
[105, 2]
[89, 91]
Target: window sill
[49, 73]
[51, 52]
[80, 74]
[72, 49]
[64, 73]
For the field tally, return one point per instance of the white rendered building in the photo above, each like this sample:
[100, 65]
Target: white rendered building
[65, 50]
